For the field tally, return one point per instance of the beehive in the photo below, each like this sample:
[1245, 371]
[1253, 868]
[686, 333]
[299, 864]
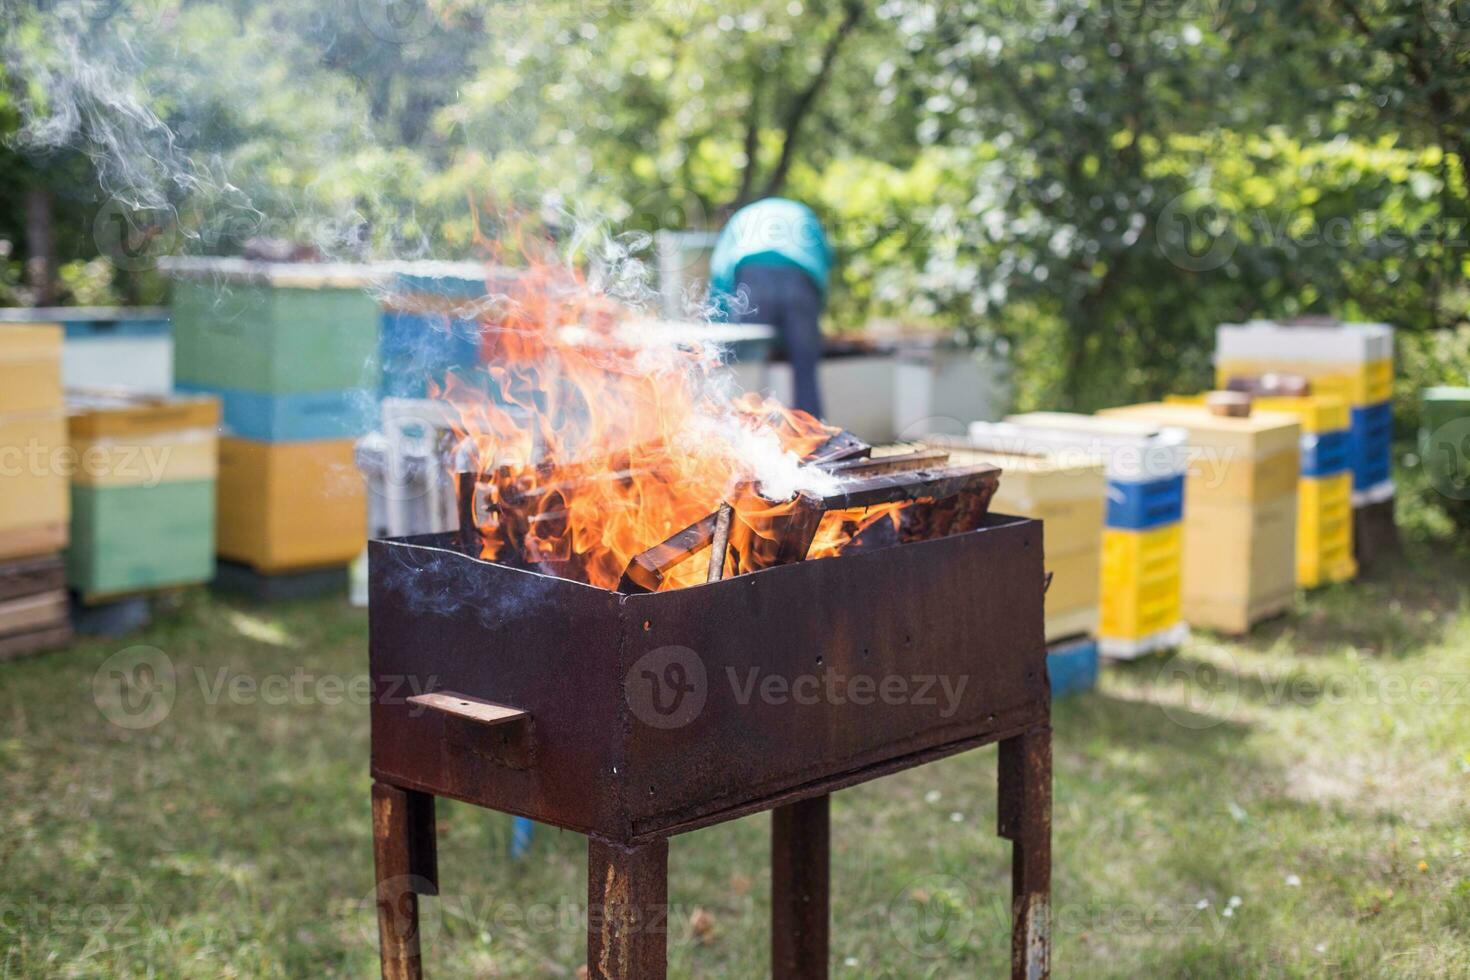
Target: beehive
[108, 346]
[33, 446]
[1069, 498]
[1239, 528]
[1137, 566]
[1444, 441]
[291, 351]
[143, 493]
[1324, 522]
[431, 324]
[1350, 361]
[290, 506]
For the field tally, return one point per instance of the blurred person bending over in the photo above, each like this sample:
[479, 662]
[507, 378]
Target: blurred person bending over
[770, 265]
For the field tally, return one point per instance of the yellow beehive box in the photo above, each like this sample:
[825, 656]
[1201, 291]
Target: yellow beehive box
[1325, 531]
[1140, 582]
[289, 506]
[1068, 495]
[30, 368]
[1075, 581]
[1239, 460]
[34, 496]
[1239, 563]
[1240, 512]
[130, 439]
[1367, 383]
[1316, 413]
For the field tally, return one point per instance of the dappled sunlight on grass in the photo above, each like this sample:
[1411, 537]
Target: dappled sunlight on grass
[1317, 773]
[260, 629]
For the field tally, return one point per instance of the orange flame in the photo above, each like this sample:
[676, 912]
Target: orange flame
[597, 444]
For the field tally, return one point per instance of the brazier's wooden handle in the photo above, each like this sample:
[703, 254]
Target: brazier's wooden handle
[496, 732]
[466, 708]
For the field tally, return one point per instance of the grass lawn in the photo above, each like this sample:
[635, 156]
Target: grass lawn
[1296, 804]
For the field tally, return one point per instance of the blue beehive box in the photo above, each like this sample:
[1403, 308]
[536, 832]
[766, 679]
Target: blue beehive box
[1072, 666]
[1326, 453]
[1142, 505]
[296, 417]
[1371, 438]
[431, 324]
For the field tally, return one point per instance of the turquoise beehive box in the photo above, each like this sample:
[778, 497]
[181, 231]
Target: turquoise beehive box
[274, 328]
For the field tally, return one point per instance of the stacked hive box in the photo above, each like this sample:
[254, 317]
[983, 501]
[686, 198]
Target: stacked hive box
[1140, 559]
[1444, 446]
[1324, 516]
[1240, 505]
[431, 324]
[287, 348]
[1069, 496]
[33, 497]
[1351, 361]
[109, 346]
[142, 493]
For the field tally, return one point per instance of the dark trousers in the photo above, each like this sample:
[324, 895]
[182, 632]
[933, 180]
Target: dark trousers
[786, 298]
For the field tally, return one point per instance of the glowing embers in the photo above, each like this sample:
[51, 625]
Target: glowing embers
[868, 503]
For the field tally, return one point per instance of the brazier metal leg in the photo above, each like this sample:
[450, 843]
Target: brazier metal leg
[627, 911]
[800, 869]
[407, 867]
[1025, 819]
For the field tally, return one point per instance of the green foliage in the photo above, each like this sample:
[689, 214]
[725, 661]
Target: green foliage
[1096, 185]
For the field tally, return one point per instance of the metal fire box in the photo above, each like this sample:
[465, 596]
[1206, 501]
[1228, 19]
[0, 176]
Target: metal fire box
[631, 718]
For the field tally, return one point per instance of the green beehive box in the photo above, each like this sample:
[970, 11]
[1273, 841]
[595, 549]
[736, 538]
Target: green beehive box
[1444, 440]
[1443, 406]
[139, 538]
[274, 329]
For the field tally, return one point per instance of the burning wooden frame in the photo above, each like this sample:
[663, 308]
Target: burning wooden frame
[873, 501]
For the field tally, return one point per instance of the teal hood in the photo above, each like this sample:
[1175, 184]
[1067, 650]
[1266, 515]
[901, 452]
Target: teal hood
[772, 231]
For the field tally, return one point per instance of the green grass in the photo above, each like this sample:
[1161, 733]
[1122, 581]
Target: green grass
[1318, 771]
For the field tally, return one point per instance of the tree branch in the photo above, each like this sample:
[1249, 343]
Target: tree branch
[752, 144]
[801, 107]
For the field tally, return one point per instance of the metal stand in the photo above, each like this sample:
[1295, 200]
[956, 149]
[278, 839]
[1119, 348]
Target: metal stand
[627, 886]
